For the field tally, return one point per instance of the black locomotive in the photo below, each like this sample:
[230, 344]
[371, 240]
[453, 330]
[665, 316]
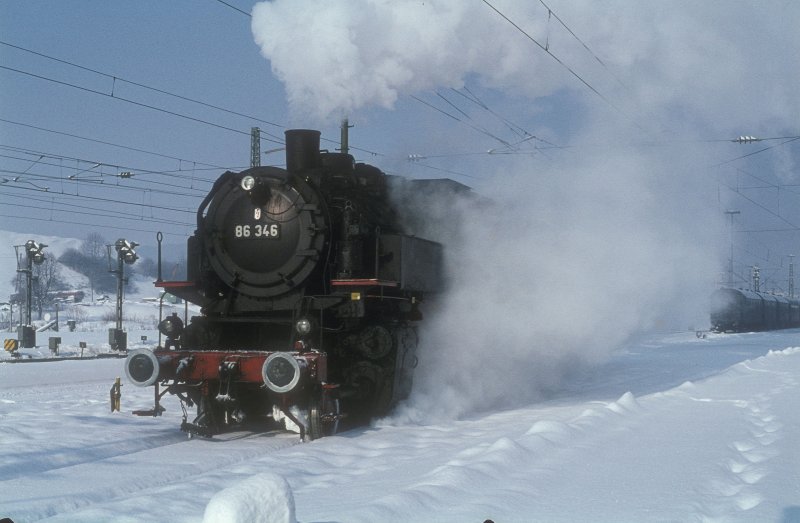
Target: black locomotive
[309, 289]
[738, 310]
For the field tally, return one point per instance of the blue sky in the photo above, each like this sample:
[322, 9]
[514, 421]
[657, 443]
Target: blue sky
[628, 109]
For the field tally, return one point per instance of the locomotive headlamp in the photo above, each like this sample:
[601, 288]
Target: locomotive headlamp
[281, 372]
[142, 367]
[303, 326]
[257, 189]
[248, 182]
[172, 326]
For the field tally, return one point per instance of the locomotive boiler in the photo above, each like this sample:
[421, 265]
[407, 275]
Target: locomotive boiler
[310, 292]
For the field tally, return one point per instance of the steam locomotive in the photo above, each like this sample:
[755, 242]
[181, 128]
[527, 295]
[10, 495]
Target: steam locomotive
[310, 292]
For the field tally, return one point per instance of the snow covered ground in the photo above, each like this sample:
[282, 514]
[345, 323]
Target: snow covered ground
[673, 428]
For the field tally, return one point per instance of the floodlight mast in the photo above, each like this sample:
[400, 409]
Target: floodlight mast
[125, 254]
[33, 255]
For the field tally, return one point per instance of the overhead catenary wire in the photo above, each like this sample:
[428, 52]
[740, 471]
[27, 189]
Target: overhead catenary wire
[99, 181]
[74, 177]
[584, 44]
[514, 128]
[103, 142]
[106, 200]
[139, 104]
[109, 225]
[788, 139]
[456, 118]
[74, 208]
[760, 206]
[561, 63]
[272, 138]
[117, 78]
[170, 173]
[235, 8]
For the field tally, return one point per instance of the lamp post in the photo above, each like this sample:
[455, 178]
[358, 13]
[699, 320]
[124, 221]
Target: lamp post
[730, 260]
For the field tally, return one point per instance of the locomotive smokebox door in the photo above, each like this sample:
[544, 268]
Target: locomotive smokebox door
[270, 250]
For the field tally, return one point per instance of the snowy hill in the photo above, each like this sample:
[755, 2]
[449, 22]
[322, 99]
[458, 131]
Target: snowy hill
[139, 286]
[140, 308]
[8, 263]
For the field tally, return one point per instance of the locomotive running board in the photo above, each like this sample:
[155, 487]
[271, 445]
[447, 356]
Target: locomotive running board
[364, 282]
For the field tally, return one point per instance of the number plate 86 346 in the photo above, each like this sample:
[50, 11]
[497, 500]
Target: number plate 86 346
[257, 230]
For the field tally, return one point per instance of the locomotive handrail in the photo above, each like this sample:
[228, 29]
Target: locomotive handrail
[223, 179]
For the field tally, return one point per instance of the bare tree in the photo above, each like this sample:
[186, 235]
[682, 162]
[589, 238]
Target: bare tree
[94, 246]
[46, 280]
[94, 249]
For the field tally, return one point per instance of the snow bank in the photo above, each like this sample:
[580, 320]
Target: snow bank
[685, 429]
[264, 497]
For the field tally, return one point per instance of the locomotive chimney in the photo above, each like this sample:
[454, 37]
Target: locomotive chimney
[302, 149]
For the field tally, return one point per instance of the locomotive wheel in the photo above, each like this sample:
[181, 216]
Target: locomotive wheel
[375, 342]
[323, 417]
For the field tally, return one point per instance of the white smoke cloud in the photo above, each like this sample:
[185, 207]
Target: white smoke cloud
[728, 62]
[591, 246]
[556, 274]
[336, 57]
